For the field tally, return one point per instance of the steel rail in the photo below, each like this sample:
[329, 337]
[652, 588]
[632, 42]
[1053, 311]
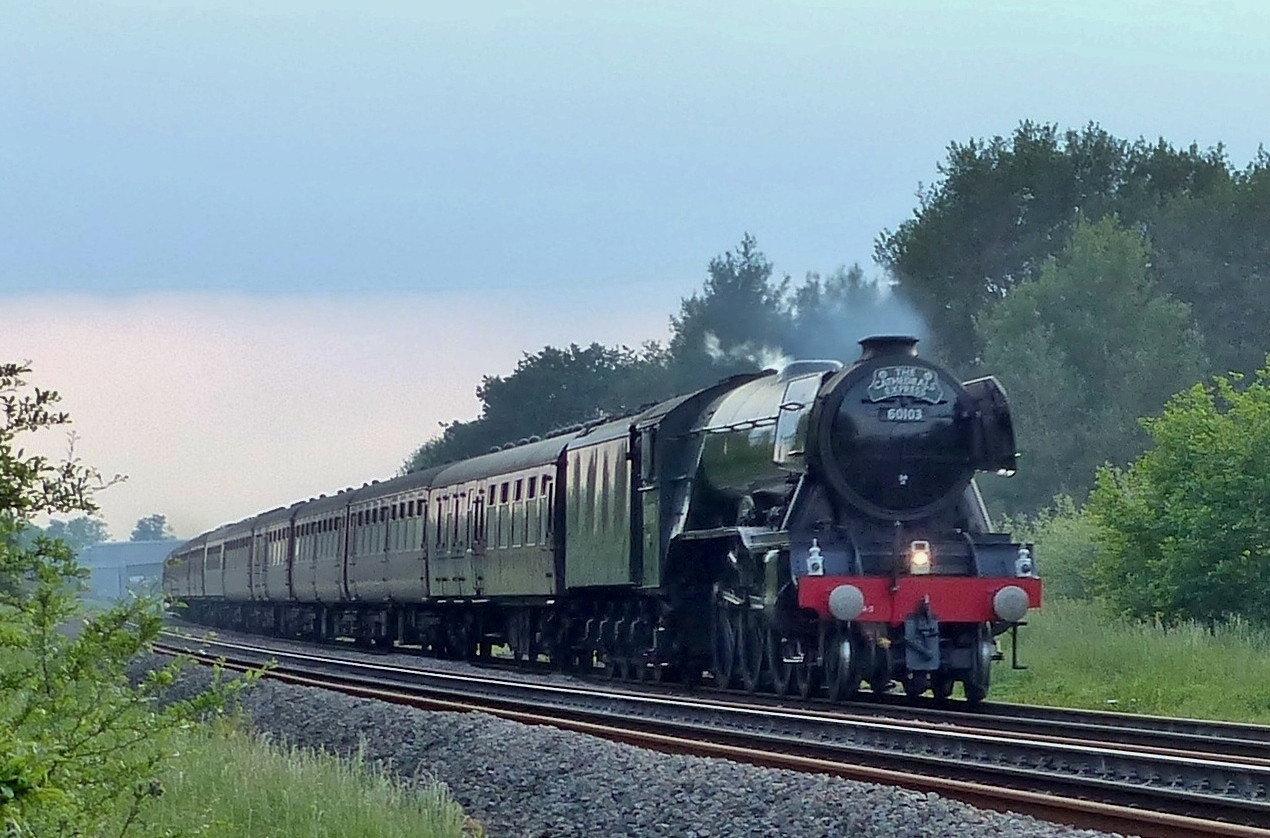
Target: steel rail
[1219, 740]
[1222, 741]
[1212, 738]
[1185, 792]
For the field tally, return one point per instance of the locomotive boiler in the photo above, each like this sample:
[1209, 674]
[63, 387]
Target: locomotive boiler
[812, 529]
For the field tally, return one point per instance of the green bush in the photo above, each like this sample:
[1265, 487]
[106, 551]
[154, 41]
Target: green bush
[80, 746]
[1184, 532]
[1065, 551]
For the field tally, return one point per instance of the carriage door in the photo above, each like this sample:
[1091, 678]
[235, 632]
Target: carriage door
[476, 542]
[646, 540]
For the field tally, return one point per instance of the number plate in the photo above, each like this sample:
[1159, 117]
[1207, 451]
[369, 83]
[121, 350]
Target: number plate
[901, 414]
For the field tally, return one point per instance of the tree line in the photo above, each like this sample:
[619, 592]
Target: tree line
[83, 531]
[1093, 275]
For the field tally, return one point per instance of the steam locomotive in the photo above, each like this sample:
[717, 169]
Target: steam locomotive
[810, 530]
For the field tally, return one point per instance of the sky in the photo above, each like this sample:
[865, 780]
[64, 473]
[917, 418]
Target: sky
[264, 248]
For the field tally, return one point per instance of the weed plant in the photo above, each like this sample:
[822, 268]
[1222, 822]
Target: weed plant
[227, 783]
[1079, 656]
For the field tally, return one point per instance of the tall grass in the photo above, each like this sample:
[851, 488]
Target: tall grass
[1079, 656]
[227, 783]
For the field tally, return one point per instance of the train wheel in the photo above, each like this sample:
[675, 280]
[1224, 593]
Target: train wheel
[782, 672]
[840, 655]
[723, 631]
[751, 650]
[979, 677]
[807, 677]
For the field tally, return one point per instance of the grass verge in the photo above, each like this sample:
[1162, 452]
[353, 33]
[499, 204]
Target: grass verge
[1080, 657]
[228, 783]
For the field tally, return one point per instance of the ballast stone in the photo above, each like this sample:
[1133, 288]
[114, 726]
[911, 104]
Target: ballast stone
[524, 781]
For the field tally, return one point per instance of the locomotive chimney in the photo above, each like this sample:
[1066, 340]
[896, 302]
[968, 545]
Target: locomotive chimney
[877, 345]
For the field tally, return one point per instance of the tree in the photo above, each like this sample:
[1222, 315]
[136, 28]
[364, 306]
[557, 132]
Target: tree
[1084, 350]
[80, 746]
[829, 316]
[152, 528]
[1002, 207]
[1182, 533]
[548, 390]
[734, 324]
[1212, 249]
[78, 533]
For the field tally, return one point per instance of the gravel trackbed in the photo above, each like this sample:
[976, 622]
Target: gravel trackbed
[520, 780]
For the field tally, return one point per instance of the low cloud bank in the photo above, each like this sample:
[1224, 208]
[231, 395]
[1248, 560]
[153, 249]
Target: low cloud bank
[220, 406]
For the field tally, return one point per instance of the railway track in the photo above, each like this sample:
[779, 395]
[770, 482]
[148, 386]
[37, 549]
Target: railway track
[1136, 775]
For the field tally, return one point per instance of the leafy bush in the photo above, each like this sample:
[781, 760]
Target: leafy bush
[1184, 532]
[1065, 551]
[80, 747]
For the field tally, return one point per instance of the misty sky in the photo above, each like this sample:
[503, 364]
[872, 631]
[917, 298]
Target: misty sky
[293, 189]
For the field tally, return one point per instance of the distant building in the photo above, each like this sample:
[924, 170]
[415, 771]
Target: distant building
[117, 567]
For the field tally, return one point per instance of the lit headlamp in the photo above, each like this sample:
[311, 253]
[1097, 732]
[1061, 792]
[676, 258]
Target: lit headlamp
[919, 558]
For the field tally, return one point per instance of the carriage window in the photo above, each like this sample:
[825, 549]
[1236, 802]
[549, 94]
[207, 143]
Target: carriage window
[520, 485]
[647, 456]
[551, 502]
[502, 494]
[533, 487]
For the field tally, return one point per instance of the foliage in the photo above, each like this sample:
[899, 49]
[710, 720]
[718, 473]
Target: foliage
[828, 317]
[548, 390]
[1084, 349]
[743, 319]
[1183, 532]
[78, 533]
[80, 745]
[1212, 249]
[1080, 656]
[1064, 539]
[152, 528]
[740, 313]
[1002, 207]
[231, 784]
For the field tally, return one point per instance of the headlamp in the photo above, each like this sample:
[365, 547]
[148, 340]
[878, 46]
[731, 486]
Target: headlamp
[919, 558]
